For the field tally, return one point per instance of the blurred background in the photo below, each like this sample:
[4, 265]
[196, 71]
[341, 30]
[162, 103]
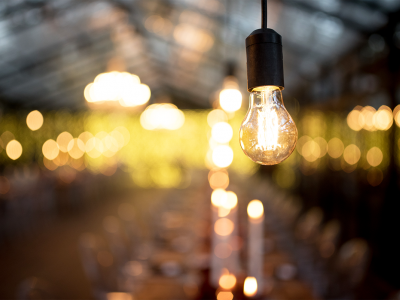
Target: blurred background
[121, 174]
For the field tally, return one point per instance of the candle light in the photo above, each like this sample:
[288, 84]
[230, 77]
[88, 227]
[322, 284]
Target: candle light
[227, 281]
[250, 287]
[119, 296]
[255, 211]
[225, 254]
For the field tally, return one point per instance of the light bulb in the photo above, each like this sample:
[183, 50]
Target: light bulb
[268, 134]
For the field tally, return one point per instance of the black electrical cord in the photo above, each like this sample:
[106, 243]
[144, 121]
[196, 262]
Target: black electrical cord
[264, 55]
[264, 15]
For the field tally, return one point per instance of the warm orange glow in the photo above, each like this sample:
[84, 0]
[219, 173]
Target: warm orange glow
[230, 201]
[118, 86]
[94, 147]
[125, 133]
[76, 148]
[119, 296]
[222, 156]
[250, 287]
[230, 100]
[14, 149]
[215, 116]
[374, 156]
[311, 151]
[223, 250]
[222, 132]
[62, 159]
[34, 120]
[224, 227]
[218, 196]
[162, 116]
[383, 118]
[78, 164]
[323, 146]
[67, 174]
[50, 149]
[225, 296]
[227, 281]
[301, 142]
[85, 136]
[368, 113]
[353, 120]
[255, 209]
[218, 179]
[193, 38]
[63, 140]
[352, 154]
[49, 164]
[134, 268]
[158, 25]
[335, 148]
[119, 138]
[223, 212]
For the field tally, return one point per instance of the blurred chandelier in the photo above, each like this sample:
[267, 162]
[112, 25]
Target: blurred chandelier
[162, 116]
[121, 87]
[268, 134]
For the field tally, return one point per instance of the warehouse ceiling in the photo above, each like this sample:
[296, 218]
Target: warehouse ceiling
[51, 49]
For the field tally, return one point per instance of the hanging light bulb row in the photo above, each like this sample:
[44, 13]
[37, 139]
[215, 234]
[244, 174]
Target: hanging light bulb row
[121, 87]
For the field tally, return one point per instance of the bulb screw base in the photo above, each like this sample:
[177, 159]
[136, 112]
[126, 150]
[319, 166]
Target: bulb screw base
[264, 59]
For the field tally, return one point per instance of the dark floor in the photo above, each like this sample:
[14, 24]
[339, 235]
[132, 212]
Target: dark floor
[51, 251]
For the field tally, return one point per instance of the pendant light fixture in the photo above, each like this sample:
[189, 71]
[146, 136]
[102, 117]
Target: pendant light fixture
[268, 134]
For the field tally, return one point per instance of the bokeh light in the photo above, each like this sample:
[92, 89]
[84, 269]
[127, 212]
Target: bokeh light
[162, 116]
[193, 38]
[50, 149]
[255, 209]
[335, 147]
[224, 227]
[117, 86]
[383, 118]
[374, 156]
[76, 148]
[215, 116]
[222, 132]
[119, 296]
[352, 154]
[311, 151]
[367, 120]
[218, 179]
[222, 156]
[353, 120]
[250, 287]
[14, 149]
[223, 250]
[63, 140]
[223, 295]
[218, 196]
[230, 100]
[227, 281]
[34, 120]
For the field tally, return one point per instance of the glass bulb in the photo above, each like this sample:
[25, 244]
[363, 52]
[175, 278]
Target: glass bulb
[268, 134]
